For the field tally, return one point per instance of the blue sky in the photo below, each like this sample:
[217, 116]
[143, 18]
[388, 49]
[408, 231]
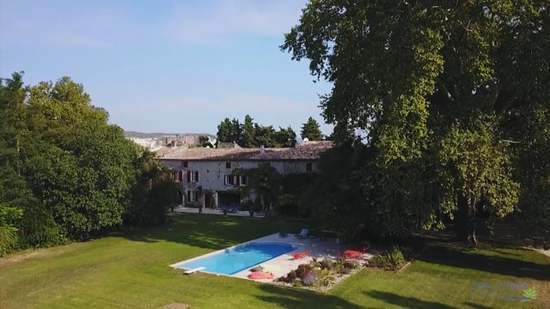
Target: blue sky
[172, 66]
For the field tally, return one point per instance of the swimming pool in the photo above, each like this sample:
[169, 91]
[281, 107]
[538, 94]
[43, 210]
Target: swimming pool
[233, 260]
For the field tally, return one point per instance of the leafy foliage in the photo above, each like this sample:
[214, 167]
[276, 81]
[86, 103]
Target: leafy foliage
[311, 130]
[251, 134]
[153, 193]
[475, 177]
[264, 186]
[65, 172]
[426, 86]
[392, 259]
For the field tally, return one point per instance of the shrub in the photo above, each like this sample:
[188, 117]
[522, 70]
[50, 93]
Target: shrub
[288, 205]
[327, 281]
[303, 270]
[392, 259]
[8, 239]
[289, 278]
[9, 219]
[39, 228]
[310, 278]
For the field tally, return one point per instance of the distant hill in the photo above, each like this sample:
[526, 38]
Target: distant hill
[136, 134]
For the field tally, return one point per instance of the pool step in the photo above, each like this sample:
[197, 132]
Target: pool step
[194, 270]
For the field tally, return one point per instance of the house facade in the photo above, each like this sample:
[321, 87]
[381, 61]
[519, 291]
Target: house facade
[208, 176]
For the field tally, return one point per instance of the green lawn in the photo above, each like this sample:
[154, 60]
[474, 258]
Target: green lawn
[131, 271]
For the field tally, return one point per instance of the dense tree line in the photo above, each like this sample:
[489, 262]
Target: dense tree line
[65, 173]
[250, 134]
[452, 100]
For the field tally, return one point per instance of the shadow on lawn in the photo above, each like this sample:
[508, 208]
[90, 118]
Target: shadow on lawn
[301, 298]
[406, 302]
[209, 232]
[476, 306]
[509, 266]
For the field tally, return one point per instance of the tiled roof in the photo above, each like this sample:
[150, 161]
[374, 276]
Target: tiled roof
[307, 151]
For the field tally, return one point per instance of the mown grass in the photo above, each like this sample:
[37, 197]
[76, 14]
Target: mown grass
[130, 270]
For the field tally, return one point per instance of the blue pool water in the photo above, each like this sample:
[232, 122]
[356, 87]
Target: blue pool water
[241, 257]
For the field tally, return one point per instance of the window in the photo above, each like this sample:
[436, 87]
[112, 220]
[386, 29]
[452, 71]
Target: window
[196, 196]
[309, 167]
[180, 176]
[229, 180]
[227, 164]
[188, 196]
[192, 176]
[184, 164]
[235, 180]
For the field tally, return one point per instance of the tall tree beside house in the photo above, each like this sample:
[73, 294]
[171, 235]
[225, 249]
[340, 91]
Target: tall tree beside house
[264, 187]
[428, 83]
[226, 131]
[285, 137]
[264, 135]
[249, 133]
[78, 164]
[64, 171]
[236, 131]
[311, 130]
[252, 134]
[153, 192]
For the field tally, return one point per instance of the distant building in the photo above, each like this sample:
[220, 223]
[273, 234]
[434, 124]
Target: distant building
[157, 141]
[207, 176]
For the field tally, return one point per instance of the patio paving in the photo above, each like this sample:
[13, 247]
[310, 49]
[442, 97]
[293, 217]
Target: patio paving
[283, 264]
[214, 211]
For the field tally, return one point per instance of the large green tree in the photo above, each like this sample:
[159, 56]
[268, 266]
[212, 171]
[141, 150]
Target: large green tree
[65, 172]
[252, 134]
[426, 82]
[311, 130]
[229, 131]
[249, 133]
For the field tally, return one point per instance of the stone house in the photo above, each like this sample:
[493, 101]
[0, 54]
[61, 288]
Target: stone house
[207, 176]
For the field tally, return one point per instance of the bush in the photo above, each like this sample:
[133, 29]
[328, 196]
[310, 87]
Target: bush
[392, 259]
[289, 278]
[39, 228]
[303, 270]
[151, 200]
[8, 239]
[288, 205]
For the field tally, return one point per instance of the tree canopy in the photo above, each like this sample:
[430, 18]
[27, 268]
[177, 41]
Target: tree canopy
[251, 134]
[442, 92]
[66, 172]
[311, 130]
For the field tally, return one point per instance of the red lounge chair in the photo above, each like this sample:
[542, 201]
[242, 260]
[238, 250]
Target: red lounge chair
[299, 255]
[352, 254]
[259, 275]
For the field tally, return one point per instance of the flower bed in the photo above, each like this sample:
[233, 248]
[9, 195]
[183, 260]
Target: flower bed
[321, 275]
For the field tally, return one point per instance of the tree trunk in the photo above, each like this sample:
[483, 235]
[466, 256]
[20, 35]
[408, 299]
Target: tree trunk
[471, 227]
[465, 224]
[461, 222]
[472, 237]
